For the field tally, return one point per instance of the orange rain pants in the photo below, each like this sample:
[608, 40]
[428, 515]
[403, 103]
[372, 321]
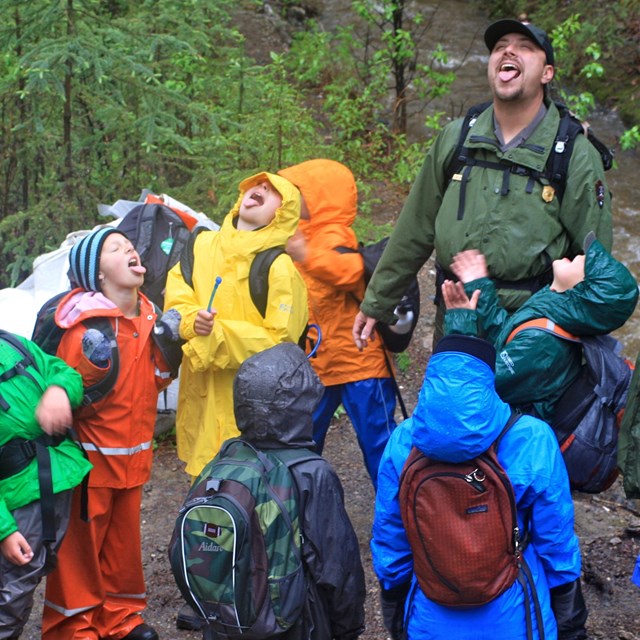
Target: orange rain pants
[98, 590]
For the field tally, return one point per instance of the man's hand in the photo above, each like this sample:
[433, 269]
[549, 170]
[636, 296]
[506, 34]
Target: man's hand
[469, 265]
[455, 297]
[363, 330]
[297, 246]
[16, 549]
[53, 412]
[203, 324]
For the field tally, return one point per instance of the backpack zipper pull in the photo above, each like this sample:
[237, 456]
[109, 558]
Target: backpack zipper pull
[475, 479]
[517, 542]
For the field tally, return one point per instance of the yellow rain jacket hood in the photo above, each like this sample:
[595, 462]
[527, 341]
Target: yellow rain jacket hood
[205, 417]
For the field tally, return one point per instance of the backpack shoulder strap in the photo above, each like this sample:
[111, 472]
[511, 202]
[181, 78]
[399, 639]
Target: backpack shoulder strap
[457, 159]
[19, 368]
[558, 162]
[187, 256]
[97, 391]
[543, 324]
[17, 344]
[513, 418]
[259, 277]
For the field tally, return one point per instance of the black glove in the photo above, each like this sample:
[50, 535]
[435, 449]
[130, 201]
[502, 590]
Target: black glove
[392, 602]
[570, 611]
[96, 347]
[166, 335]
[169, 324]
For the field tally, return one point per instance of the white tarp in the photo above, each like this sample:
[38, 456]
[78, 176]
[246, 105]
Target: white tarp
[19, 305]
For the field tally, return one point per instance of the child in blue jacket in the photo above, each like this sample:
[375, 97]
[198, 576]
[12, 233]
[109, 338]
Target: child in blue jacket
[458, 416]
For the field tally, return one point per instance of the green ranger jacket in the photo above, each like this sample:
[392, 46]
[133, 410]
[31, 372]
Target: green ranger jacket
[22, 393]
[535, 368]
[504, 215]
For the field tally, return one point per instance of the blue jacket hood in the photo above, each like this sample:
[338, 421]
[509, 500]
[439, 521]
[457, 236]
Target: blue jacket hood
[459, 413]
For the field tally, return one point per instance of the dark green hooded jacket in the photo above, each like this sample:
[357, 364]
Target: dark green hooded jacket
[536, 367]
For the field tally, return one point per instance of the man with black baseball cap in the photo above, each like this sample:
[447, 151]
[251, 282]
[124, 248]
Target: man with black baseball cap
[508, 180]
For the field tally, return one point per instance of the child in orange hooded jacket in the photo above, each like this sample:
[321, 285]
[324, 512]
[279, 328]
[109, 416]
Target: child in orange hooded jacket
[98, 589]
[359, 380]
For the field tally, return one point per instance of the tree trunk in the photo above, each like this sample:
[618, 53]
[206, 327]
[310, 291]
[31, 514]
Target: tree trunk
[399, 67]
[68, 165]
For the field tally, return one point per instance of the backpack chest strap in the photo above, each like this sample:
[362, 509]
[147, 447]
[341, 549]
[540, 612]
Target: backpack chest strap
[468, 160]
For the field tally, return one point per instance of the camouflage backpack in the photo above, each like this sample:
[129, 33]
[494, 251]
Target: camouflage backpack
[236, 547]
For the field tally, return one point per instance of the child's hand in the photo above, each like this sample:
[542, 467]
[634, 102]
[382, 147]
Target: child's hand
[16, 549]
[297, 246]
[203, 324]
[455, 296]
[469, 265]
[53, 412]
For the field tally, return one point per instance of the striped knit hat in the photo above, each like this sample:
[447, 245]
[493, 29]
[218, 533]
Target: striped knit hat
[84, 259]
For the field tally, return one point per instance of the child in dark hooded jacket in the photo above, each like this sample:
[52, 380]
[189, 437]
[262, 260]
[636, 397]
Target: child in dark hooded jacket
[274, 393]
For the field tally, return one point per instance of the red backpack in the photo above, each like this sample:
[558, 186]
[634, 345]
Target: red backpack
[461, 523]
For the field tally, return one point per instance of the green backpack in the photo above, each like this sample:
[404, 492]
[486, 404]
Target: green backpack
[236, 547]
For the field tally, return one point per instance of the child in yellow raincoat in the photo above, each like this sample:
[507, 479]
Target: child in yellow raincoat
[223, 332]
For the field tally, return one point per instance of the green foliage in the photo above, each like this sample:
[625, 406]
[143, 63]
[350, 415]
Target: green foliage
[561, 37]
[392, 44]
[630, 138]
[403, 361]
[367, 231]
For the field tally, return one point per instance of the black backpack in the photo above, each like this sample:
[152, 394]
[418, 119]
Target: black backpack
[587, 416]
[159, 235]
[236, 548]
[556, 169]
[47, 335]
[409, 303]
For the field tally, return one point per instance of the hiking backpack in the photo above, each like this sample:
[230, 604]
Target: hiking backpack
[557, 166]
[47, 335]
[461, 523]
[587, 416]
[409, 303]
[159, 234]
[236, 550]
[258, 271]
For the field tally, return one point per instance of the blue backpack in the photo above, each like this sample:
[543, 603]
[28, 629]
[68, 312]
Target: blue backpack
[588, 415]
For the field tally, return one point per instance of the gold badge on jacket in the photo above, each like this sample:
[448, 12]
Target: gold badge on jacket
[548, 192]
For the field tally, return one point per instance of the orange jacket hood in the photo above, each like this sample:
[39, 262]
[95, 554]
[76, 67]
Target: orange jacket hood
[329, 191]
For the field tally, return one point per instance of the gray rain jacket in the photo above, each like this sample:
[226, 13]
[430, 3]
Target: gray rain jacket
[275, 392]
